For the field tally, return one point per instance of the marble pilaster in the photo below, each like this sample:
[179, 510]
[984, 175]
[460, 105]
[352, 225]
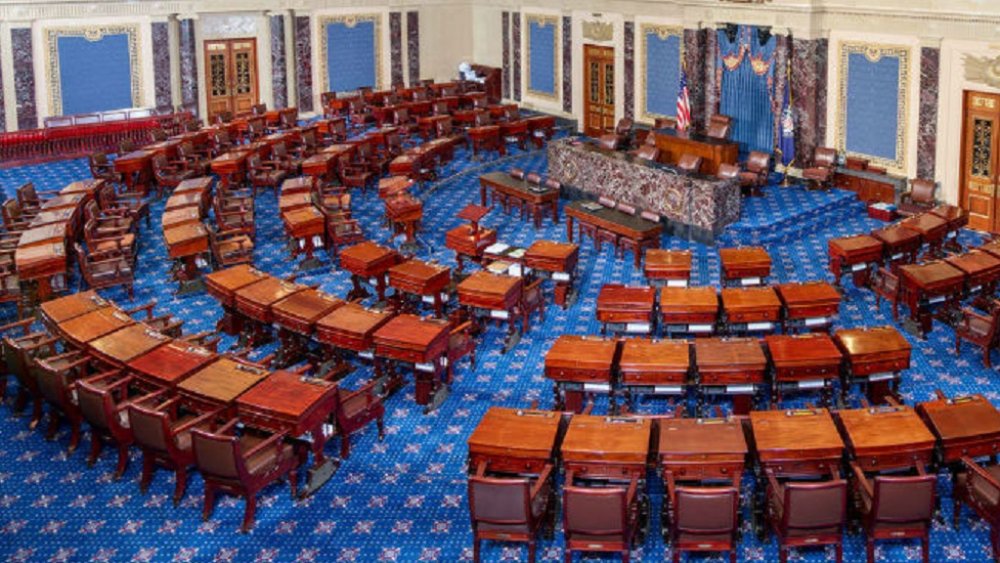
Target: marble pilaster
[516, 48]
[930, 60]
[24, 78]
[694, 66]
[567, 63]
[396, 47]
[303, 63]
[161, 64]
[279, 61]
[505, 23]
[629, 86]
[413, 45]
[809, 84]
[189, 66]
[713, 80]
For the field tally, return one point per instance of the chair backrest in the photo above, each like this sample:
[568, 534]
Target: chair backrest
[706, 510]
[53, 381]
[728, 171]
[159, 163]
[157, 135]
[253, 162]
[279, 150]
[624, 126]
[218, 455]
[533, 178]
[440, 108]
[402, 116]
[126, 146]
[224, 117]
[512, 113]
[648, 152]
[595, 511]
[150, 427]
[258, 109]
[758, 161]
[689, 163]
[482, 118]
[27, 195]
[922, 190]
[97, 404]
[814, 506]
[499, 501]
[903, 500]
[718, 126]
[824, 157]
[608, 141]
[665, 123]
[444, 127]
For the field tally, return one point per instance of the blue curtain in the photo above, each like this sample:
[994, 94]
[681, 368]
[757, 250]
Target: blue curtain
[542, 50]
[94, 76]
[747, 87]
[663, 73]
[350, 56]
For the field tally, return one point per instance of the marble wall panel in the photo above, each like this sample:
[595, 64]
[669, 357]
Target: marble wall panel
[413, 45]
[303, 63]
[629, 86]
[161, 64]
[809, 83]
[567, 63]
[279, 62]
[24, 78]
[930, 60]
[694, 66]
[189, 66]
[505, 23]
[516, 49]
[396, 46]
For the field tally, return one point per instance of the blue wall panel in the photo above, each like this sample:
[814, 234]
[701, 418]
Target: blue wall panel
[663, 73]
[872, 119]
[350, 56]
[542, 49]
[94, 75]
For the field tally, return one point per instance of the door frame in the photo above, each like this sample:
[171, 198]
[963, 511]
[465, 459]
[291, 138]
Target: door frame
[585, 86]
[963, 178]
[207, 71]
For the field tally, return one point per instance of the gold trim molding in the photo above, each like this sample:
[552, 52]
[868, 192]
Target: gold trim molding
[984, 70]
[874, 52]
[92, 34]
[598, 31]
[544, 21]
[350, 21]
[662, 32]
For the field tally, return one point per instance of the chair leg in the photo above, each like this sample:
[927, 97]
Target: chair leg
[956, 512]
[925, 548]
[95, 448]
[839, 553]
[74, 435]
[345, 446]
[531, 552]
[122, 461]
[475, 549]
[209, 506]
[381, 423]
[148, 467]
[782, 554]
[50, 432]
[249, 512]
[870, 550]
[732, 556]
[293, 482]
[180, 484]
[569, 556]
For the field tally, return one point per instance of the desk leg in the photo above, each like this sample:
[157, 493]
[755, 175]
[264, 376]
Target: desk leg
[555, 211]
[482, 195]
[569, 228]
[380, 287]
[322, 468]
[310, 262]
[357, 291]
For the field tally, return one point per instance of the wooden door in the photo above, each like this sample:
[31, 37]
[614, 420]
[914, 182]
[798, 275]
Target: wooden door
[980, 160]
[599, 90]
[231, 67]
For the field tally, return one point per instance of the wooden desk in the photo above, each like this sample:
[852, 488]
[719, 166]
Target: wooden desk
[932, 230]
[186, 243]
[351, 327]
[423, 343]
[607, 448]
[654, 367]
[368, 261]
[136, 169]
[44, 264]
[729, 366]
[534, 198]
[750, 309]
[626, 309]
[231, 166]
[578, 365]
[668, 267]
[886, 438]
[53, 234]
[714, 152]
[541, 128]
[516, 441]
[295, 318]
[65, 217]
[58, 311]
[127, 343]
[185, 200]
[642, 232]
[219, 383]
[423, 279]
[744, 266]
[702, 449]
[63, 201]
[926, 285]
[493, 296]
[166, 366]
[404, 213]
[223, 285]
[322, 166]
[796, 443]
[808, 306]
[981, 269]
[255, 301]
[180, 217]
[306, 226]
[290, 201]
[95, 324]
[855, 255]
[469, 241]
[693, 310]
[964, 426]
[874, 358]
[557, 260]
[901, 244]
[957, 218]
[803, 363]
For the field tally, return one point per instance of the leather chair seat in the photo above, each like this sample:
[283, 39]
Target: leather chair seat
[127, 241]
[984, 491]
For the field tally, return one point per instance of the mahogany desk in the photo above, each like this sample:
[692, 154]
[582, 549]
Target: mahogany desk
[65, 216]
[186, 243]
[926, 285]
[750, 309]
[80, 330]
[886, 437]
[607, 448]
[63, 201]
[254, 303]
[540, 129]
[392, 185]
[404, 213]
[180, 217]
[295, 318]
[901, 244]
[184, 200]
[223, 285]
[692, 310]
[802, 363]
[874, 357]
[654, 367]
[322, 166]
[45, 264]
[932, 231]
[714, 152]
[58, 311]
[702, 449]
[743, 266]
[966, 426]
[425, 280]
[956, 218]
[796, 443]
[515, 441]
[578, 365]
[855, 255]
[231, 166]
[368, 261]
[136, 169]
[201, 185]
[982, 270]
[287, 402]
[626, 309]
[290, 201]
[469, 241]
[809, 306]
[729, 366]
[351, 327]
[668, 267]
[531, 197]
[428, 125]
[219, 383]
[557, 261]
[125, 344]
[54, 233]
[642, 232]
[496, 297]
[423, 343]
[166, 366]
[306, 226]
[87, 187]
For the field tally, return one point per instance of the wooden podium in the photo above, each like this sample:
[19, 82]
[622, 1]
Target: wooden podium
[713, 152]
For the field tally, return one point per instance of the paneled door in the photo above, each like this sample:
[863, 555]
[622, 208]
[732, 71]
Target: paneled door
[231, 67]
[980, 159]
[599, 90]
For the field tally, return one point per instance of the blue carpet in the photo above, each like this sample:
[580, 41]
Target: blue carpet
[404, 499]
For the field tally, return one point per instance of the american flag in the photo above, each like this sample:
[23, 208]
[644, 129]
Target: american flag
[683, 105]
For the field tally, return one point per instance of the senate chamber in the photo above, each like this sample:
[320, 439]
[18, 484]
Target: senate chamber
[468, 280]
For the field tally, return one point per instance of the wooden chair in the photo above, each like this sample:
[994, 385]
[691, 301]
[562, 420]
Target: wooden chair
[354, 175]
[264, 175]
[223, 117]
[401, 118]
[221, 141]
[600, 519]
[461, 343]
[164, 436]
[980, 330]
[728, 172]
[755, 174]
[511, 509]
[198, 161]
[625, 131]
[14, 331]
[30, 199]
[895, 507]
[101, 271]
[978, 487]
[919, 199]
[665, 123]
[107, 240]
[234, 214]
[355, 410]
[647, 152]
[689, 163]
[282, 159]
[103, 169]
[886, 286]
[169, 175]
[807, 513]
[20, 353]
[14, 218]
[122, 204]
[719, 126]
[113, 219]
[230, 248]
[821, 171]
[365, 155]
[609, 141]
[166, 324]
[703, 519]
[56, 378]
[103, 399]
[126, 146]
[241, 464]
[445, 129]
[336, 131]
[10, 286]
[342, 231]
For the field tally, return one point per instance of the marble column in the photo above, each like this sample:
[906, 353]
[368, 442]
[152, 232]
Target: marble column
[809, 86]
[396, 47]
[629, 86]
[161, 64]
[279, 61]
[694, 66]
[930, 58]
[189, 66]
[516, 50]
[505, 78]
[3, 109]
[567, 64]
[303, 63]
[413, 45]
[712, 78]
[24, 78]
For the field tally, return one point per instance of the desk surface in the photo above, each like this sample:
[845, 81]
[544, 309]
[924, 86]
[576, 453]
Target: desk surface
[169, 364]
[224, 284]
[806, 434]
[601, 439]
[687, 439]
[809, 293]
[582, 352]
[368, 259]
[734, 298]
[868, 341]
[65, 308]
[552, 256]
[95, 324]
[221, 381]
[488, 285]
[745, 256]
[975, 263]
[925, 223]
[517, 433]
[885, 430]
[351, 324]
[961, 418]
[284, 395]
[411, 331]
[931, 274]
[689, 299]
[726, 353]
[854, 245]
[304, 308]
[642, 359]
[799, 350]
[897, 235]
[661, 263]
[267, 292]
[127, 343]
